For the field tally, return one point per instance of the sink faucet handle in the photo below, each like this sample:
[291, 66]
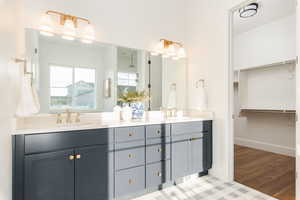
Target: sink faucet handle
[69, 116]
[58, 118]
[77, 120]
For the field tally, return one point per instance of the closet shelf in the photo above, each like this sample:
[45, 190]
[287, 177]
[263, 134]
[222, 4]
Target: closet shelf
[286, 62]
[268, 111]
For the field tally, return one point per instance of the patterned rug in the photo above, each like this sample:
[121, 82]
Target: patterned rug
[207, 188]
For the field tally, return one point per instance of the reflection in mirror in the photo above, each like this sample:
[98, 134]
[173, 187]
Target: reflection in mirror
[91, 77]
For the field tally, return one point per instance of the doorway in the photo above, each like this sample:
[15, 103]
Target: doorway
[263, 95]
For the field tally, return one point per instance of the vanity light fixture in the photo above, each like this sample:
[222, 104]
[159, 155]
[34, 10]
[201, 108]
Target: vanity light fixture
[249, 10]
[68, 27]
[168, 48]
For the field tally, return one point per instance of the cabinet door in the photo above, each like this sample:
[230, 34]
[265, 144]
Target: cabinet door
[49, 176]
[93, 169]
[196, 155]
[180, 159]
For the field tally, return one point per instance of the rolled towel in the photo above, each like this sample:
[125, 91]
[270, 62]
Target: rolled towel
[29, 102]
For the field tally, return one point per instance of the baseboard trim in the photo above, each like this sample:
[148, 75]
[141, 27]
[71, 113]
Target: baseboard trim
[265, 146]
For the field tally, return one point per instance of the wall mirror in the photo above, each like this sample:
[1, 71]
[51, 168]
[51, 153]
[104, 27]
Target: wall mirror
[90, 77]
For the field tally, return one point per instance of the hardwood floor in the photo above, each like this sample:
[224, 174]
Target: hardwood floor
[270, 173]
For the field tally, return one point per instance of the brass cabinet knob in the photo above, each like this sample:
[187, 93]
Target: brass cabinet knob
[71, 157]
[130, 134]
[78, 156]
[130, 155]
[159, 150]
[159, 174]
[158, 132]
[130, 181]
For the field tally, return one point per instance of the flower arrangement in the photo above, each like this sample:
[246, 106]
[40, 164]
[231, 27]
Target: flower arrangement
[133, 96]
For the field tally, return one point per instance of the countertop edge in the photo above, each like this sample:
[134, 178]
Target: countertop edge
[105, 125]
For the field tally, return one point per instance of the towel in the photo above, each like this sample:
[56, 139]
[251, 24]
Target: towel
[201, 99]
[172, 100]
[28, 103]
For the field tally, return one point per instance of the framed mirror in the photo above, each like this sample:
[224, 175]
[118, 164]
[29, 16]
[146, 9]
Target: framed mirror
[91, 77]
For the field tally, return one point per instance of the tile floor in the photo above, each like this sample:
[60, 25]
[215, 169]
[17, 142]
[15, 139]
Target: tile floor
[207, 188]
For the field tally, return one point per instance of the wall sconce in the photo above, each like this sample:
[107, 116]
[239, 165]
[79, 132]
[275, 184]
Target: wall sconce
[68, 27]
[168, 48]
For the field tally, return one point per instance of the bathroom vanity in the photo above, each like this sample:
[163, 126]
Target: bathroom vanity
[108, 163]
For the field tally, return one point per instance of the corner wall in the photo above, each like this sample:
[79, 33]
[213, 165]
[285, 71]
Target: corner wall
[207, 39]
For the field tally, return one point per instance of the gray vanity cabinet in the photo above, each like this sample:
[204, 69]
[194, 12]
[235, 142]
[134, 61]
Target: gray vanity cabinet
[196, 155]
[49, 176]
[188, 149]
[93, 173]
[129, 181]
[180, 159]
[105, 164]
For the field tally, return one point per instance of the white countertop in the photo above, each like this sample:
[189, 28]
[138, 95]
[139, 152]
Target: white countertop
[105, 124]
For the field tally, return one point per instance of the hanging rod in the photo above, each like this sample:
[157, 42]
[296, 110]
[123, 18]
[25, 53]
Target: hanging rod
[268, 111]
[286, 62]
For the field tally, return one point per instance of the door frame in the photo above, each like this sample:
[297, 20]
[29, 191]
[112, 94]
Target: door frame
[230, 92]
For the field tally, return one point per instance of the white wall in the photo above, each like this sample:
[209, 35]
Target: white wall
[270, 43]
[207, 40]
[8, 75]
[132, 23]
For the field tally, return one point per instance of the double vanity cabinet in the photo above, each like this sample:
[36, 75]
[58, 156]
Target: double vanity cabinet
[108, 163]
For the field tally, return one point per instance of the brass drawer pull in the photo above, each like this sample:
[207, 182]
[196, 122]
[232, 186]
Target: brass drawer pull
[192, 139]
[130, 155]
[159, 174]
[71, 157]
[78, 156]
[130, 181]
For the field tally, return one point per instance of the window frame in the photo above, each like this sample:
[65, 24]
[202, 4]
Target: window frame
[73, 81]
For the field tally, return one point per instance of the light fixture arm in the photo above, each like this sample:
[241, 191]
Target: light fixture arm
[64, 17]
[167, 43]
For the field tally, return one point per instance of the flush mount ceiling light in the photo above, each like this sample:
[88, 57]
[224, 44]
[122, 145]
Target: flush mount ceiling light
[168, 48]
[68, 27]
[249, 10]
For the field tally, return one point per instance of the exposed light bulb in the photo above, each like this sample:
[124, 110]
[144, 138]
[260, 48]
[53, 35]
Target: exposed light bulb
[165, 56]
[69, 31]
[171, 51]
[160, 48]
[181, 53]
[88, 34]
[154, 53]
[46, 26]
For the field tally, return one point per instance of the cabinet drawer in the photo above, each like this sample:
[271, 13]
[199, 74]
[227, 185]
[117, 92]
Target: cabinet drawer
[188, 127]
[130, 158]
[127, 134]
[39, 143]
[157, 174]
[158, 131]
[187, 136]
[158, 152]
[129, 181]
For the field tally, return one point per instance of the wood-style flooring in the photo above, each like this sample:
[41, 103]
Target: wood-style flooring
[267, 172]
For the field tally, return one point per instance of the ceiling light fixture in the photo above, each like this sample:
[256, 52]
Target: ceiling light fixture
[69, 28]
[249, 10]
[168, 48]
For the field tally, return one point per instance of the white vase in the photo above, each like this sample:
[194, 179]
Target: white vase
[126, 113]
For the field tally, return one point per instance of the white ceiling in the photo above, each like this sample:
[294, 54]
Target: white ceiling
[269, 10]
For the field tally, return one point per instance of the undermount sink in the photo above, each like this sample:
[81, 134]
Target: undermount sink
[73, 124]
